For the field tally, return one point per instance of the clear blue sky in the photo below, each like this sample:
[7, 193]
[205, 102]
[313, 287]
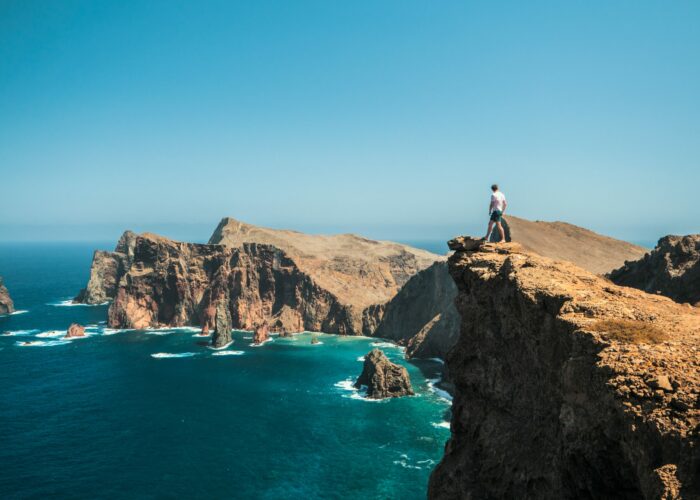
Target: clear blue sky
[387, 118]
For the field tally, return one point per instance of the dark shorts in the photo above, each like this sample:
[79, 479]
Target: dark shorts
[496, 215]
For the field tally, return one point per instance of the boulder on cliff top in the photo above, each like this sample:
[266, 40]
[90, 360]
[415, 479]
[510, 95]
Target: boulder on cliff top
[383, 378]
[75, 330]
[6, 304]
[671, 269]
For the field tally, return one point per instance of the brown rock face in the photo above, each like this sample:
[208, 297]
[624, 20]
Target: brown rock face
[261, 333]
[177, 284]
[75, 330]
[422, 315]
[383, 378]
[106, 271]
[671, 269]
[6, 304]
[567, 386]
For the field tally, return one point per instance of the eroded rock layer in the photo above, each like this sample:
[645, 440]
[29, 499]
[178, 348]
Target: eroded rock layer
[567, 386]
[6, 304]
[671, 269]
[171, 283]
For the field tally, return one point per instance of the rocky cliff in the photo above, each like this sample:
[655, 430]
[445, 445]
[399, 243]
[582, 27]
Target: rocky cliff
[171, 283]
[567, 386]
[6, 304]
[422, 316]
[671, 269]
[383, 378]
[106, 271]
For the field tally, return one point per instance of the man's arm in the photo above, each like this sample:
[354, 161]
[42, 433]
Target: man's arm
[505, 205]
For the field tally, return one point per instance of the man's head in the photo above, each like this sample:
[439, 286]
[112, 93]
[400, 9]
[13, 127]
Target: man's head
[494, 187]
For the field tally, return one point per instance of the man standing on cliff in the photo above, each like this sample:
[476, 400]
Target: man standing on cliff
[497, 206]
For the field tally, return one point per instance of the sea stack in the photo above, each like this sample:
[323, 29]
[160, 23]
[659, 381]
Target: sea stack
[6, 304]
[75, 330]
[222, 326]
[566, 385]
[261, 333]
[383, 378]
[671, 269]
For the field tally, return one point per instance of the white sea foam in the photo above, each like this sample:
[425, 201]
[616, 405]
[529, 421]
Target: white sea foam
[158, 331]
[261, 343]
[187, 328]
[41, 343]
[438, 360]
[21, 311]
[222, 347]
[227, 353]
[163, 355]
[247, 338]
[387, 345]
[19, 333]
[441, 393]
[361, 359]
[70, 303]
[317, 343]
[51, 334]
[349, 386]
[441, 425]
[112, 331]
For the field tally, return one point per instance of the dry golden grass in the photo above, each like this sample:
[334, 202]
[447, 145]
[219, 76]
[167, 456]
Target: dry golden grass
[631, 331]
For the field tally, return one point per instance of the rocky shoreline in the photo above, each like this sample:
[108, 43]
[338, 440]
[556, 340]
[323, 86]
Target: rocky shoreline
[6, 304]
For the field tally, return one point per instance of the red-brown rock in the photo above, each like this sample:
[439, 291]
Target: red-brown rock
[75, 330]
[261, 333]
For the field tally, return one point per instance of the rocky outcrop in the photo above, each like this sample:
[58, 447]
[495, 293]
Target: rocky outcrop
[422, 316]
[671, 269]
[561, 240]
[75, 330]
[383, 378]
[6, 304]
[567, 386]
[261, 333]
[107, 270]
[176, 284]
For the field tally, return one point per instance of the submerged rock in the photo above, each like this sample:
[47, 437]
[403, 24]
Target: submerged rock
[314, 339]
[261, 333]
[75, 330]
[6, 304]
[671, 269]
[383, 378]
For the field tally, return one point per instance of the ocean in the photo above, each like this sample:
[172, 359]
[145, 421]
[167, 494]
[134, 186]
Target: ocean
[156, 414]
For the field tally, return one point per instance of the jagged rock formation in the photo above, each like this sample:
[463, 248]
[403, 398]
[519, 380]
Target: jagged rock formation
[383, 378]
[75, 330]
[567, 386]
[261, 333]
[422, 315]
[671, 269]
[176, 284]
[338, 284]
[106, 271]
[561, 240]
[6, 304]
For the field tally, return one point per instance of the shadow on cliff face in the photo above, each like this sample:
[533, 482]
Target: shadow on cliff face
[495, 237]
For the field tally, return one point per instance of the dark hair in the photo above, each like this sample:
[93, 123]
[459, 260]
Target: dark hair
[494, 187]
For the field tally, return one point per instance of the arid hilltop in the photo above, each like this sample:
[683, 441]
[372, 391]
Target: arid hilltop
[567, 386]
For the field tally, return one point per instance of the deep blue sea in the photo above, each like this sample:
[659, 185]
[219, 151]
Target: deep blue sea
[154, 414]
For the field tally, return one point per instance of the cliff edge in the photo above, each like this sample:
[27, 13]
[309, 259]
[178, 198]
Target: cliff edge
[567, 386]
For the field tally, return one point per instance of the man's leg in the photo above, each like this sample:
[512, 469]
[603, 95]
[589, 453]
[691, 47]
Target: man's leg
[500, 230]
[488, 231]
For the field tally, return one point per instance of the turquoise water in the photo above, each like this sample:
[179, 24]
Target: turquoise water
[102, 417]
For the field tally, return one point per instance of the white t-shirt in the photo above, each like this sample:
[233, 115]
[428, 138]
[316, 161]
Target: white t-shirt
[498, 201]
